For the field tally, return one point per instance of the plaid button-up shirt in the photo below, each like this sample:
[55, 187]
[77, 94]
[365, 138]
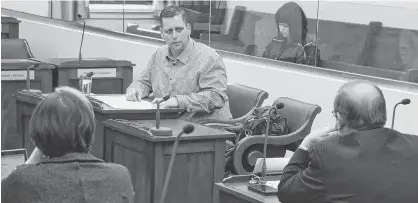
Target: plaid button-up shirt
[197, 78]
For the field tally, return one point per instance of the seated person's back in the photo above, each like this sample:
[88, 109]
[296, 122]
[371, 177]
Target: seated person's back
[358, 160]
[61, 169]
[376, 165]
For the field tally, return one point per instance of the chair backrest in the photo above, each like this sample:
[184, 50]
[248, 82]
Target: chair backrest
[298, 112]
[243, 99]
[413, 75]
[15, 49]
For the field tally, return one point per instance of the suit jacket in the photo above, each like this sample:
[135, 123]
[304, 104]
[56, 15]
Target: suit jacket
[75, 177]
[374, 166]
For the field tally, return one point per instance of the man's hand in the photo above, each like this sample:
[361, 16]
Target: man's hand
[170, 103]
[318, 136]
[133, 94]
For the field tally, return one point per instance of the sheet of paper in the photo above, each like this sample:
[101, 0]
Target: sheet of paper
[273, 184]
[120, 102]
[274, 165]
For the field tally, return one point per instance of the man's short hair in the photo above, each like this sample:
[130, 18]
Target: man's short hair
[371, 109]
[63, 122]
[171, 11]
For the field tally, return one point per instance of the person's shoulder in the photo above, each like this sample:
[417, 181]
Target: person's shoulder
[160, 52]
[22, 172]
[408, 140]
[207, 51]
[116, 167]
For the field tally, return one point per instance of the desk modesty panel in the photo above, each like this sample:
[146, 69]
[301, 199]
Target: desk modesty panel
[13, 79]
[199, 163]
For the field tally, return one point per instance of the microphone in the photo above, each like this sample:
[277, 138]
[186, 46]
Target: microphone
[157, 130]
[403, 102]
[187, 129]
[28, 88]
[278, 106]
[82, 35]
[86, 75]
[90, 74]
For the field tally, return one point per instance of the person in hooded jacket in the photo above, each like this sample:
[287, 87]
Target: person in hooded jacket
[290, 44]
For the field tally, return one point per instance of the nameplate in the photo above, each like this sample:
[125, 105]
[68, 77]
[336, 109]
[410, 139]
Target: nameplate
[98, 72]
[17, 75]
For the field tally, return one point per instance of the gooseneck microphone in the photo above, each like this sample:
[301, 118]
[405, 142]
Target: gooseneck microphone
[86, 75]
[157, 130]
[82, 35]
[187, 129]
[32, 67]
[276, 107]
[28, 89]
[403, 102]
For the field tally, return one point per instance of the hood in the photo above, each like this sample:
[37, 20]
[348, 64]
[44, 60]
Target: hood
[291, 14]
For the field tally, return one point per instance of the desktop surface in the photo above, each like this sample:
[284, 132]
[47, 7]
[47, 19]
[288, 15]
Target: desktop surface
[237, 191]
[10, 159]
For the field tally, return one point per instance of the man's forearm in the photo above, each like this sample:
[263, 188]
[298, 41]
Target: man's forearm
[205, 101]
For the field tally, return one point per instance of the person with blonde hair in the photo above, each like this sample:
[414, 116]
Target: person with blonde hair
[61, 168]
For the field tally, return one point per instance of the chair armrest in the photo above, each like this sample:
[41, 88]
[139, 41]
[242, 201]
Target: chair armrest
[237, 179]
[247, 142]
[226, 122]
[217, 125]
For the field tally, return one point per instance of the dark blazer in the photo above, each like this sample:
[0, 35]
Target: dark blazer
[374, 166]
[75, 177]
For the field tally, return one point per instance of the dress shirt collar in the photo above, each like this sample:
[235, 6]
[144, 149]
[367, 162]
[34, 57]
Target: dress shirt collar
[184, 56]
[73, 157]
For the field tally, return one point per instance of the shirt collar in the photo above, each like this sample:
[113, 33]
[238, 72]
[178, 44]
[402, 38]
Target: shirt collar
[73, 157]
[184, 56]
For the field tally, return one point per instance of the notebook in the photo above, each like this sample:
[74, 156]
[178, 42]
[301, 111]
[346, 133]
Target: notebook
[10, 159]
[120, 102]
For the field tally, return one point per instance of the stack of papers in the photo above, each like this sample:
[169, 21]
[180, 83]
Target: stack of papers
[273, 184]
[120, 102]
[274, 165]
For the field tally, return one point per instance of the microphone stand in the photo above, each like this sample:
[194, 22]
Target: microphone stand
[82, 36]
[264, 168]
[261, 181]
[157, 130]
[404, 102]
[186, 130]
[393, 114]
[28, 88]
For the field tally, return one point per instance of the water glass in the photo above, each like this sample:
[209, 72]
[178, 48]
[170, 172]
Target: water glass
[85, 85]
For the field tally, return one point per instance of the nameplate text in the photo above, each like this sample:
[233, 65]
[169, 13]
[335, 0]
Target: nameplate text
[98, 72]
[17, 75]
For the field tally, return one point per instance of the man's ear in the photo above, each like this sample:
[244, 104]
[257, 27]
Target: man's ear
[189, 27]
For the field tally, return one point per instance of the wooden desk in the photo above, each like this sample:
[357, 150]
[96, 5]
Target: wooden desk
[199, 162]
[26, 103]
[13, 79]
[110, 76]
[235, 190]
